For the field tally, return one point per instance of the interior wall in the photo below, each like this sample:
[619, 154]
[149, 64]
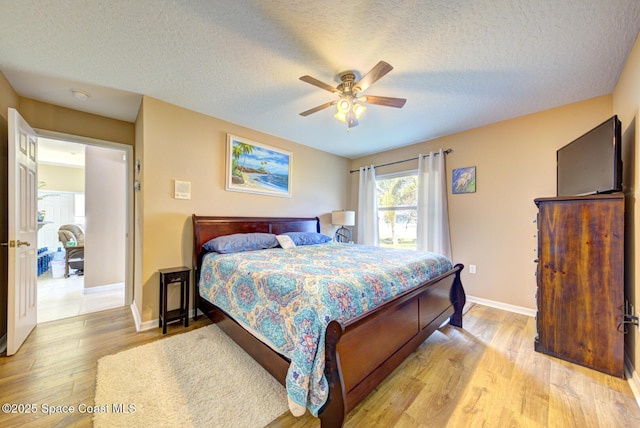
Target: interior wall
[8, 97]
[494, 227]
[61, 178]
[105, 207]
[626, 103]
[63, 120]
[138, 226]
[180, 144]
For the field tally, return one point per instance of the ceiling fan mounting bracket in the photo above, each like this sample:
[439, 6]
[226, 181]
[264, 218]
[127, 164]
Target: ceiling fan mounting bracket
[347, 75]
[347, 83]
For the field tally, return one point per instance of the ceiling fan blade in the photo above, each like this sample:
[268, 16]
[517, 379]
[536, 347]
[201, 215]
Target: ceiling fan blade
[319, 84]
[383, 101]
[377, 72]
[315, 109]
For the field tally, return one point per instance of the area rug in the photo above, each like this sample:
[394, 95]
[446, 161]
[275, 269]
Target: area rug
[195, 379]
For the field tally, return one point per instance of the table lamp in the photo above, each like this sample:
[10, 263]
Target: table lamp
[343, 218]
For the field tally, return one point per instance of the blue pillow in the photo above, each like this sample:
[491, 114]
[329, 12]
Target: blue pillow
[308, 238]
[241, 242]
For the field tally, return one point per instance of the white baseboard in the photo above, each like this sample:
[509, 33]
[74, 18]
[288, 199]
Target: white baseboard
[150, 325]
[137, 319]
[504, 306]
[632, 377]
[100, 288]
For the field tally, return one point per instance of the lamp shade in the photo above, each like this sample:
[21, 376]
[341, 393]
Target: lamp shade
[343, 218]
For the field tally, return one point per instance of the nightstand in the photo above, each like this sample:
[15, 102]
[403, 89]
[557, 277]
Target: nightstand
[177, 275]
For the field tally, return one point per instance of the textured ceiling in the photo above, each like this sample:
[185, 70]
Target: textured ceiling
[460, 63]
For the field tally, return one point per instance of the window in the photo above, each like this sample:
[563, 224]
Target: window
[398, 210]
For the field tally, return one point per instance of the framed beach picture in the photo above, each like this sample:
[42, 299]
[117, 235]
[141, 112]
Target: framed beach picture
[464, 180]
[257, 168]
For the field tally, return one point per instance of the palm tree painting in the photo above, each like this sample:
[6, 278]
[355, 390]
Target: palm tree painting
[257, 168]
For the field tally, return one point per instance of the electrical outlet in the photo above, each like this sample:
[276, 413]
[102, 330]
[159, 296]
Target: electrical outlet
[472, 268]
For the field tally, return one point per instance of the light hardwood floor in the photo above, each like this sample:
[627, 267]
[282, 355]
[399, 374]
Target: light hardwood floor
[57, 363]
[486, 375]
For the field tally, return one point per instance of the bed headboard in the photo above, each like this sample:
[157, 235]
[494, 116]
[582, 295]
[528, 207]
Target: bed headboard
[207, 227]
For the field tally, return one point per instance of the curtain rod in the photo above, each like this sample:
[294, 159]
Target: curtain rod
[446, 152]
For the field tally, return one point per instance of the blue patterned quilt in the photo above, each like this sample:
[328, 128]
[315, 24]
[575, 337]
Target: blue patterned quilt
[286, 298]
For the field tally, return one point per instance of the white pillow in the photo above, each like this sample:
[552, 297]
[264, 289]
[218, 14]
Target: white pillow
[285, 241]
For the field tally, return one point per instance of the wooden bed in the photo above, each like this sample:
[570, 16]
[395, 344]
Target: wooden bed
[354, 364]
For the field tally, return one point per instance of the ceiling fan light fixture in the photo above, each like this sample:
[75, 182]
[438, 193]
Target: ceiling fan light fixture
[358, 109]
[349, 107]
[349, 111]
[343, 106]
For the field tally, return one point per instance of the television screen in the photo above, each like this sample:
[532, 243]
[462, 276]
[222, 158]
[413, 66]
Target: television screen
[592, 163]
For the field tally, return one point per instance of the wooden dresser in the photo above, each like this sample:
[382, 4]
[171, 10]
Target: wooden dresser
[581, 280]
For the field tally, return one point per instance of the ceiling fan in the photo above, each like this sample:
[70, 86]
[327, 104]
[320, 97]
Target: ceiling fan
[349, 103]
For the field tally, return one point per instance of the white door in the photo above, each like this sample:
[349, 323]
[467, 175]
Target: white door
[23, 231]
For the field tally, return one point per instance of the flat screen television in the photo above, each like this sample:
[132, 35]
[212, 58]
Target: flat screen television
[592, 163]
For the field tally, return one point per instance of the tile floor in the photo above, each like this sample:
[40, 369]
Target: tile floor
[65, 297]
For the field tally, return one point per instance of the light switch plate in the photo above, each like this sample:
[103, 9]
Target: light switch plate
[182, 190]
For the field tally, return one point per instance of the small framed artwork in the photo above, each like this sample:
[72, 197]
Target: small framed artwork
[464, 180]
[257, 168]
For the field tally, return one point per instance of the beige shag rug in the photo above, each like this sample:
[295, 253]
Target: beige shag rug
[196, 379]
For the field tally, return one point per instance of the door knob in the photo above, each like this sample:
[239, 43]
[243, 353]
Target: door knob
[23, 243]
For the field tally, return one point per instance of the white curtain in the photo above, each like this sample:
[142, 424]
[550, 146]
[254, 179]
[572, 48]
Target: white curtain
[367, 207]
[433, 214]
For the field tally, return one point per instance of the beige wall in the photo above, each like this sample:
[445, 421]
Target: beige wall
[61, 178]
[180, 144]
[626, 102]
[50, 117]
[8, 97]
[138, 213]
[105, 206]
[494, 228]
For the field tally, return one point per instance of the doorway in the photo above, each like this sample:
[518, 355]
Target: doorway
[81, 187]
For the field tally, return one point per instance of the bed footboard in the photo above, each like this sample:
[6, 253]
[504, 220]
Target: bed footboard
[363, 352]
